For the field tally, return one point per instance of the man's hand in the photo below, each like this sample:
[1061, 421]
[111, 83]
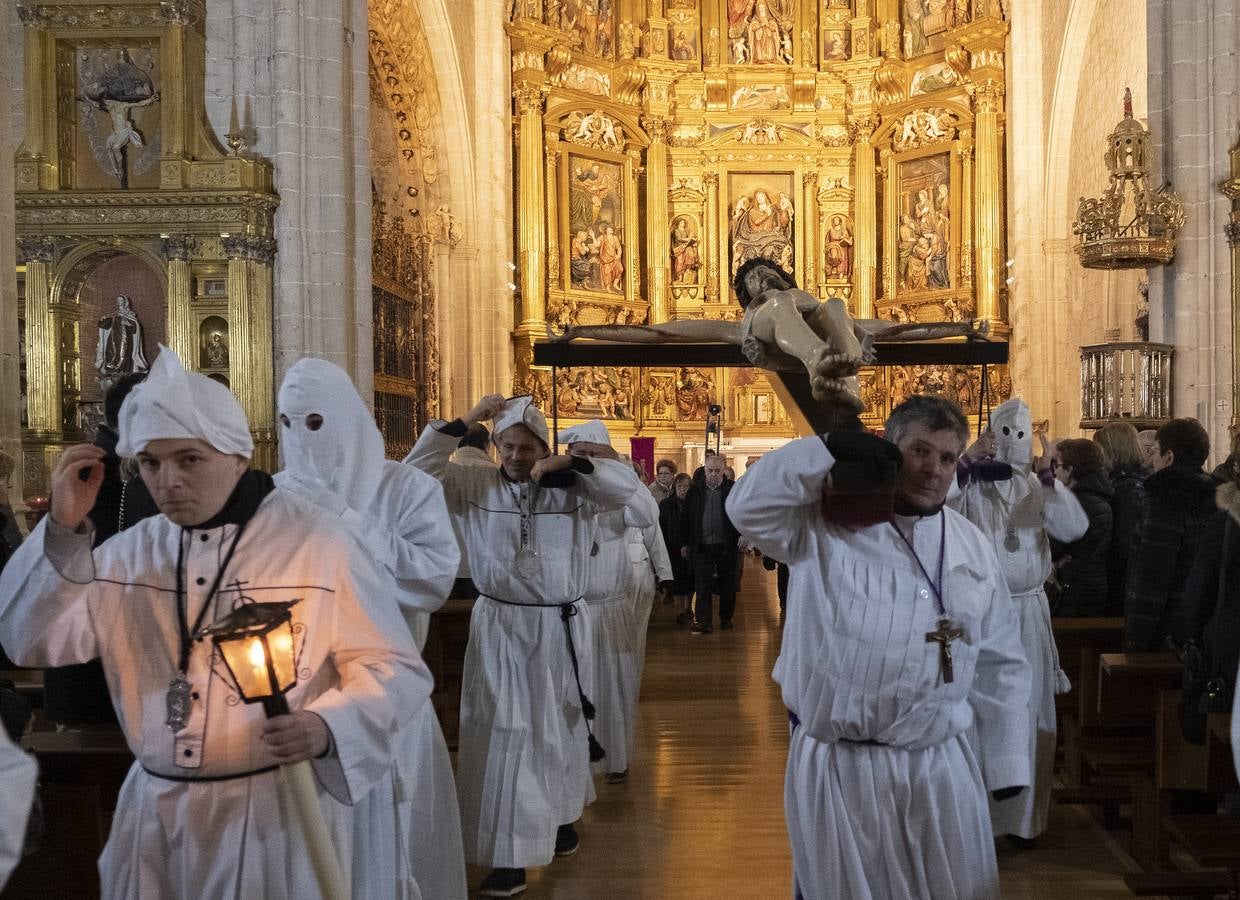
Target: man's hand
[292, 738]
[983, 447]
[486, 408]
[73, 498]
[549, 464]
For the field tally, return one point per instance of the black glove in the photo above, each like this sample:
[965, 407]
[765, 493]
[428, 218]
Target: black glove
[1006, 793]
[868, 453]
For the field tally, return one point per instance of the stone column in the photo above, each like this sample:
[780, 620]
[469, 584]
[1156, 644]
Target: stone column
[1192, 50]
[811, 241]
[43, 395]
[987, 103]
[711, 182]
[531, 267]
[10, 379]
[658, 242]
[182, 334]
[250, 370]
[865, 218]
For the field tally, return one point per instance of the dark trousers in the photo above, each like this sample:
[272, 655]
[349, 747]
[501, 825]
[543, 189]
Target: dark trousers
[714, 566]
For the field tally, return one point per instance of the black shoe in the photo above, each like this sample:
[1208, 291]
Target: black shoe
[616, 777]
[699, 628]
[1021, 843]
[503, 883]
[726, 626]
[566, 840]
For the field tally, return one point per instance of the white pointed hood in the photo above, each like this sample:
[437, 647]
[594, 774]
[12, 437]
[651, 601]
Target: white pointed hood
[175, 404]
[1012, 424]
[345, 454]
[592, 432]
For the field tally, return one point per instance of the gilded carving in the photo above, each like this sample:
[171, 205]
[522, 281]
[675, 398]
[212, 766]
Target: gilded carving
[834, 136]
[595, 129]
[36, 249]
[179, 247]
[760, 97]
[589, 80]
[529, 100]
[922, 127]
[691, 136]
[762, 131]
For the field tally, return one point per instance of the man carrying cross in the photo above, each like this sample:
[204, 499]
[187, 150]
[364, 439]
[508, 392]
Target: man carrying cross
[900, 638]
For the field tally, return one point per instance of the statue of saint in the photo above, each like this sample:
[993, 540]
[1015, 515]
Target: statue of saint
[119, 351]
[785, 329]
[216, 352]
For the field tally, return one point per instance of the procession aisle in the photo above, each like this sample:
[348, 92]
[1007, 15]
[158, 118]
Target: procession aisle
[701, 816]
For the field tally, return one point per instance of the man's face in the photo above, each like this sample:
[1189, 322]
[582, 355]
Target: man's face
[714, 472]
[760, 279]
[189, 479]
[665, 476]
[929, 465]
[519, 448]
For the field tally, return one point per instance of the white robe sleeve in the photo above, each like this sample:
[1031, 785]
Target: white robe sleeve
[772, 502]
[652, 535]
[382, 684]
[45, 589]
[418, 545]
[612, 485]
[1000, 694]
[18, 772]
[1066, 520]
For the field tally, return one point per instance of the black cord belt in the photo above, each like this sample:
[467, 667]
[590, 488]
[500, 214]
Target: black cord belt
[567, 611]
[233, 777]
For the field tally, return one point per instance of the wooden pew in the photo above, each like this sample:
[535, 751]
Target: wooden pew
[444, 653]
[1080, 643]
[80, 775]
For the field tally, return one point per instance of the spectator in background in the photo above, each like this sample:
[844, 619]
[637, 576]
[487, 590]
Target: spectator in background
[1126, 469]
[661, 487]
[10, 534]
[1081, 566]
[1181, 502]
[709, 542]
[1229, 470]
[474, 448]
[673, 521]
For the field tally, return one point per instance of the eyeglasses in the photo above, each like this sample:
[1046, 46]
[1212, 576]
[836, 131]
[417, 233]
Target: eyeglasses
[1056, 464]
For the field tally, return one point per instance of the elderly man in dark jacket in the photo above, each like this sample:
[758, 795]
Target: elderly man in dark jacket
[709, 542]
[1181, 503]
[1081, 566]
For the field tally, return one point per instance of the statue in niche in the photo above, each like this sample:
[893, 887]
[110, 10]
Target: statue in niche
[760, 31]
[839, 248]
[118, 91]
[785, 329]
[216, 352]
[686, 260]
[119, 351]
[762, 228]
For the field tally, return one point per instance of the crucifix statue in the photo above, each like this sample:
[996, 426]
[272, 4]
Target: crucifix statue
[787, 329]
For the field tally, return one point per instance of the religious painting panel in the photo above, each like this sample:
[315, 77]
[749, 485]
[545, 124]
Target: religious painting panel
[591, 24]
[761, 219]
[760, 32]
[836, 35]
[682, 32]
[108, 114]
[923, 232]
[659, 397]
[593, 224]
[213, 344]
[600, 392]
[838, 243]
[686, 261]
[926, 23]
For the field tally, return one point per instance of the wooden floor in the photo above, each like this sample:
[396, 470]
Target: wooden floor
[702, 813]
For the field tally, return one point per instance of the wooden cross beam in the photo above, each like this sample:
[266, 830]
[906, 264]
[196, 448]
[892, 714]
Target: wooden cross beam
[810, 416]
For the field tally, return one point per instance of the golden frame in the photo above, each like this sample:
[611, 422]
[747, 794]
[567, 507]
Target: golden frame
[891, 294]
[630, 215]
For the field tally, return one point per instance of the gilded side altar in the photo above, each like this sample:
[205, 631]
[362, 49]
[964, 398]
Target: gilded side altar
[661, 143]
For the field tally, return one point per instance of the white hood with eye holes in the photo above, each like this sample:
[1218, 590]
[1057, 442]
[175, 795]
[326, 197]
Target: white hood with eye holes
[1012, 425]
[345, 453]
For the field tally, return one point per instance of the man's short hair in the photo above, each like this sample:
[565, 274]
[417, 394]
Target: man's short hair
[116, 396]
[935, 413]
[758, 262]
[476, 436]
[665, 464]
[1187, 439]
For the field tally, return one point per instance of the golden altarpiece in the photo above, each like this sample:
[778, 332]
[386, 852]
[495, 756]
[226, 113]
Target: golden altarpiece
[134, 226]
[661, 143]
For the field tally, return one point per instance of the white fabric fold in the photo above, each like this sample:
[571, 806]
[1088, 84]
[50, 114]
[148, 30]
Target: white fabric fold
[521, 411]
[592, 432]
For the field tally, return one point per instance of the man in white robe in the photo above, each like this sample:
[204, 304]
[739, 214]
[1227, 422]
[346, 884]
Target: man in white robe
[900, 637]
[528, 527]
[1016, 514]
[333, 456]
[610, 596]
[202, 812]
[18, 772]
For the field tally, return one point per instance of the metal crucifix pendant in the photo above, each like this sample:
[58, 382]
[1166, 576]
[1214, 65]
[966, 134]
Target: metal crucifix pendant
[943, 636]
[177, 702]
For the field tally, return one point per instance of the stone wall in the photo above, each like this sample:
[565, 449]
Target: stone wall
[10, 137]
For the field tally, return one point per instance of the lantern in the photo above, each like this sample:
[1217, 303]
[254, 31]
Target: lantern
[256, 641]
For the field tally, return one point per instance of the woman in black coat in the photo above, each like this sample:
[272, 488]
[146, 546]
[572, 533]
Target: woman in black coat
[1081, 566]
[1127, 470]
[673, 512]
